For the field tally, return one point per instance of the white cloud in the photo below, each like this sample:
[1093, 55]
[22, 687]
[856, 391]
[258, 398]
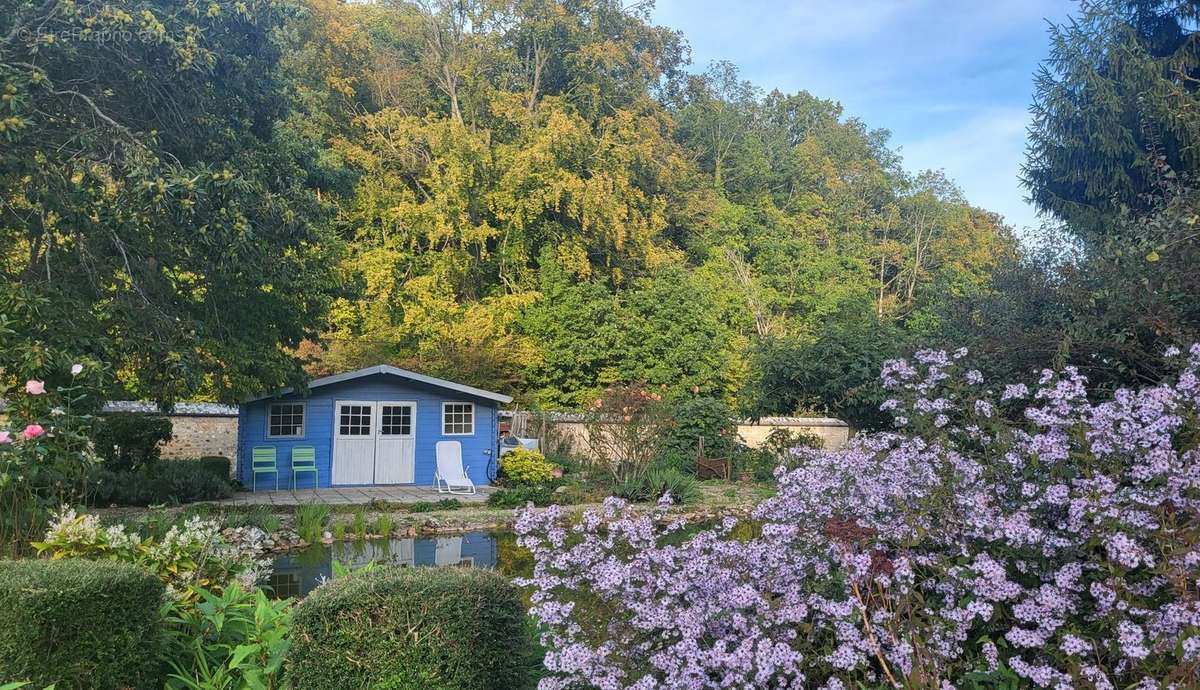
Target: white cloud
[983, 155]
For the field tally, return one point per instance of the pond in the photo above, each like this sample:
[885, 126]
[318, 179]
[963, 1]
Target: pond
[299, 572]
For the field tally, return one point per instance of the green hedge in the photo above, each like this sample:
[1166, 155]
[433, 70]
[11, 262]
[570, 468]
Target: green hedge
[131, 440]
[219, 465]
[411, 629]
[80, 624]
[172, 481]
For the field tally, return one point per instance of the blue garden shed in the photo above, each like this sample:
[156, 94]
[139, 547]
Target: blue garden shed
[368, 427]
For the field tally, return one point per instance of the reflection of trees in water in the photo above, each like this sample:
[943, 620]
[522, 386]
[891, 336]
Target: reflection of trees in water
[511, 559]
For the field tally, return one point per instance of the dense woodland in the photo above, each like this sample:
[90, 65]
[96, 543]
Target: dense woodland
[545, 197]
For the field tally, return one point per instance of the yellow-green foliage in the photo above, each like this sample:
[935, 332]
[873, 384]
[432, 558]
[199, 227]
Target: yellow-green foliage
[525, 466]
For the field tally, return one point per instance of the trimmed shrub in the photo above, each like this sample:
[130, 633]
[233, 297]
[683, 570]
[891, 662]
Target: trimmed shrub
[130, 440]
[428, 507]
[80, 624]
[526, 466]
[219, 465]
[190, 480]
[106, 488]
[411, 629]
[176, 481]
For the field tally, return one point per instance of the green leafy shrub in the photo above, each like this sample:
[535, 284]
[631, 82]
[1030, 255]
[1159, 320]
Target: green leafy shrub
[517, 496]
[189, 480]
[108, 488]
[80, 624]
[188, 556]
[776, 451]
[429, 507]
[680, 461]
[218, 465]
[176, 481]
[526, 466]
[232, 639]
[701, 419]
[410, 629]
[309, 521]
[130, 440]
[658, 481]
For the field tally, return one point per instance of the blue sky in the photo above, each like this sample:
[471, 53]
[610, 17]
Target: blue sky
[951, 79]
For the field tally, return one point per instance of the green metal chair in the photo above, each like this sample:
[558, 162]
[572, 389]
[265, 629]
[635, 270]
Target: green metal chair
[262, 461]
[304, 459]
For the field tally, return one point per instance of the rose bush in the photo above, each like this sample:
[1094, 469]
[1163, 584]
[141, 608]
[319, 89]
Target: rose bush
[46, 452]
[1001, 537]
[626, 429]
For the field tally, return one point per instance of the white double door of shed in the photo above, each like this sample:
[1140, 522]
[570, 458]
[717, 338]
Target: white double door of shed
[374, 442]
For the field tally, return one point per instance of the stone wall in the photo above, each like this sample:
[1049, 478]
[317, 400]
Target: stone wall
[197, 429]
[834, 432]
[194, 437]
[566, 432]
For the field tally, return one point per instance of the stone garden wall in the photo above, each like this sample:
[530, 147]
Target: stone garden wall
[567, 432]
[197, 429]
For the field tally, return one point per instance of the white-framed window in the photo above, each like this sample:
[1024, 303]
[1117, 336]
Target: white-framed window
[458, 419]
[354, 420]
[285, 420]
[395, 420]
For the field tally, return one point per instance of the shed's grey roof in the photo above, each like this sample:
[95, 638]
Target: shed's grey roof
[389, 370]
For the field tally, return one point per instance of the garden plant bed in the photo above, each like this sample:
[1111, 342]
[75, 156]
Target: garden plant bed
[717, 499]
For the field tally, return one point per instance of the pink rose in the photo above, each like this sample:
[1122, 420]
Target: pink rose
[35, 387]
[5, 437]
[33, 431]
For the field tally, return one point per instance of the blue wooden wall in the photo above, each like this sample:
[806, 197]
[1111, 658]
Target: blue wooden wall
[478, 450]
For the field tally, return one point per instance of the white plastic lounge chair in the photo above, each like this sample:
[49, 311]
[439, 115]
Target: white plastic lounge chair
[451, 476]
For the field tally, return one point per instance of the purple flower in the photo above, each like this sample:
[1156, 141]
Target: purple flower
[1068, 529]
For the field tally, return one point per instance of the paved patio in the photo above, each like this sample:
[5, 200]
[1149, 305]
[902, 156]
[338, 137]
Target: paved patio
[351, 495]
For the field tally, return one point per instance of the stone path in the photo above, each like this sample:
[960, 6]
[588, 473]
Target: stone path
[351, 495]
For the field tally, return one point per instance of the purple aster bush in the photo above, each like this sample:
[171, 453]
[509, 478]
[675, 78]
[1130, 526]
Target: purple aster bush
[1000, 535]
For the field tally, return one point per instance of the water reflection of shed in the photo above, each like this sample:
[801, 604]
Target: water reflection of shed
[299, 573]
